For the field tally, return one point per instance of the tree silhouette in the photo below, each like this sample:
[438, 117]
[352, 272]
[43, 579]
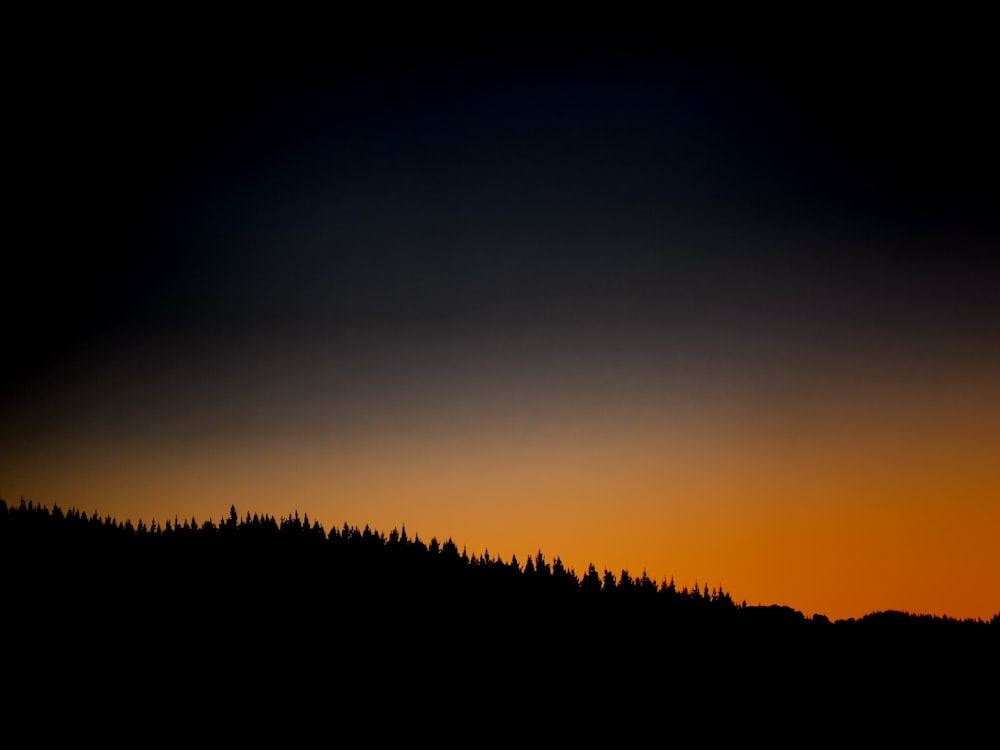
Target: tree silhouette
[260, 585]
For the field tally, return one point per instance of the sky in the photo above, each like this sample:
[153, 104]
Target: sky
[726, 312]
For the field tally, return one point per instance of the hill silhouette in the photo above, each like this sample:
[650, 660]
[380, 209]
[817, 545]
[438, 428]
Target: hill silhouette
[260, 612]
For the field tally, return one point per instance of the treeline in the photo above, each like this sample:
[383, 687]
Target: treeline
[267, 556]
[38, 525]
[261, 612]
[259, 555]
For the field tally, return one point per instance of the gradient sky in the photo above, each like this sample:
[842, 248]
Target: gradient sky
[726, 313]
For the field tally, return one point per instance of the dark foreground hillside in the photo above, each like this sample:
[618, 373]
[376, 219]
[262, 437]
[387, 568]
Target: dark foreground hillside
[262, 623]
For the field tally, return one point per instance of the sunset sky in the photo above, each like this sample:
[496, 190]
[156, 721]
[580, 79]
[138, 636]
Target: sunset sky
[726, 313]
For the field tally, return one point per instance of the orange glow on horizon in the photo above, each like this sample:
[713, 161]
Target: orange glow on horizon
[839, 511]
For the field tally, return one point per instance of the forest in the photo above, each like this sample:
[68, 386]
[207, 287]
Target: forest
[255, 596]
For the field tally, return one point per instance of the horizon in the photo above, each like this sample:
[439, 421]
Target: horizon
[726, 313]
[197, 524]
[400, 534]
